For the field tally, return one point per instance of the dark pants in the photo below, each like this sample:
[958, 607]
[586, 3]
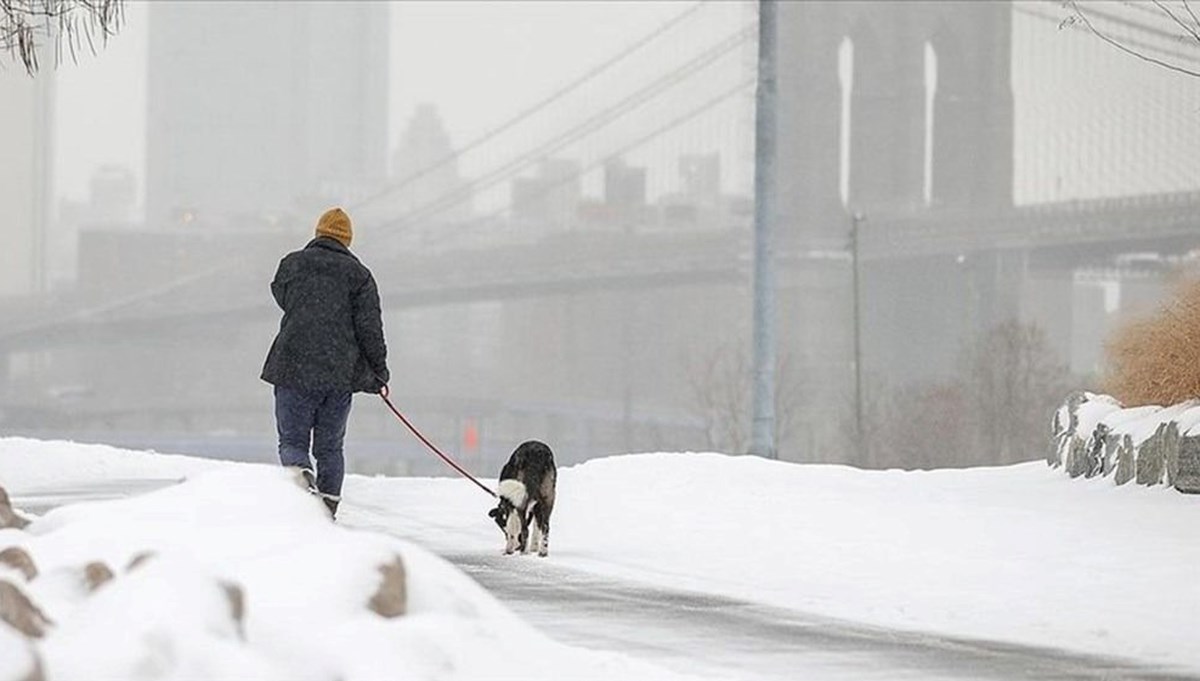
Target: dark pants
[318, 418]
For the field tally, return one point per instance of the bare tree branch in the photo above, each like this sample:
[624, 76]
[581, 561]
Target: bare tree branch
[720, 386]
[1167, 10]
[1080, 16]
[25, 25]
[1192, 14]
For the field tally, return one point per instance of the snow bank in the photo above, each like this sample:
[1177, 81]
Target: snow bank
[236, 572]
[33, 465]
[17, 659]
[1019, 554]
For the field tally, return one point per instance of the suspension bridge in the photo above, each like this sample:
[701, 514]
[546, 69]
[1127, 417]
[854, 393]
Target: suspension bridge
[938, 120]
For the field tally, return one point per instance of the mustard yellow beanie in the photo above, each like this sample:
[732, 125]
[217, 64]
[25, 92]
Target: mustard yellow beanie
[336, 224]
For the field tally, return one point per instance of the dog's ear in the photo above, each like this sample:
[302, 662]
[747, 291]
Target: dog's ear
[494, 512]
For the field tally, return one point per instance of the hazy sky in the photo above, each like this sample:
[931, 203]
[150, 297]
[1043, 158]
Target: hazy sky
[479, 61]
[1083, 127]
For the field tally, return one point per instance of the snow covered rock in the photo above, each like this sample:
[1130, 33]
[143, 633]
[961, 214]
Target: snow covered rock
[235, 598]
[1076, 446]
[1152, 445]
[1063, 427]
[19, 611]
[19, 559]
[1155, 454]
[176, 621]
[96, 574]
[138, 560]
[9, 517]
[1187, 474]
[1125, 457]
[391, 600]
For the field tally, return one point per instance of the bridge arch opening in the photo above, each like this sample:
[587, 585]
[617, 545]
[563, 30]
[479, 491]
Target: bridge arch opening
[949, 123]
[931, 84]
[866, 137]
[845, 65]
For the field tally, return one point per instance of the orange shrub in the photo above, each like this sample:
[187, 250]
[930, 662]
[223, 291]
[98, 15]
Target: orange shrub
[1156, 359]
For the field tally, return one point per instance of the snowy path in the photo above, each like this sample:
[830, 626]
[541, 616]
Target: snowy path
[701, 633]
[698, 633]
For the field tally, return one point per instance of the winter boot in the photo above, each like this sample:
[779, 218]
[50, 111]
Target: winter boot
[331, 502]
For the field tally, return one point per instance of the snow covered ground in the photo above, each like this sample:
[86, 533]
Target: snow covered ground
[305, 585]
[1019, 554]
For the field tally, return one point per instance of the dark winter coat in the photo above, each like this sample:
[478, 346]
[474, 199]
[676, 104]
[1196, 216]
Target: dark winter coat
[331, 334]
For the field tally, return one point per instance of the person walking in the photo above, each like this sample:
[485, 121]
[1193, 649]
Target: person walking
[330, 345]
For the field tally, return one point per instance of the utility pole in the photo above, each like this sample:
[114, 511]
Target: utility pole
[857, 218]
[762, 442]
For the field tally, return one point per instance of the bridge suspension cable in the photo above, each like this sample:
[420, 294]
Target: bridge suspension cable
[526, 113]
[591, 125]
[658, 132]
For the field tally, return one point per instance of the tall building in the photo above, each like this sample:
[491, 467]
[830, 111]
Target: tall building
[552, 197]
[624, 185]
[26, 125]
[426, 181]
[263, 109]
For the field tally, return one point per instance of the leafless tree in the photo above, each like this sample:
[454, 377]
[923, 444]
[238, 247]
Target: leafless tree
[994, 410]
[28, 26]
[874, 445]
[933, 427]
[1163, 33]
[1013, 381]
[720, 384]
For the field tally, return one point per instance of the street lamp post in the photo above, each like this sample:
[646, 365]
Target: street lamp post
[856, 220]
[762, 434]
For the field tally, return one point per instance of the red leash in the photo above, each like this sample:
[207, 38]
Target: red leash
[384, 394]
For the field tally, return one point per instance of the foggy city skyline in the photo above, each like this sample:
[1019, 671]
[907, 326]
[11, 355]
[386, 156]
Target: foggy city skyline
[515, 73]
[605, 150]
[513, 34]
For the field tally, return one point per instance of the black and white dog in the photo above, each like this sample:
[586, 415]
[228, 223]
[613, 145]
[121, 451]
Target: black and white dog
[526, 498]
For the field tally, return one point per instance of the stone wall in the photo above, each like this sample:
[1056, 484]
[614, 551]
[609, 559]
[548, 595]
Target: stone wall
[1095, 436]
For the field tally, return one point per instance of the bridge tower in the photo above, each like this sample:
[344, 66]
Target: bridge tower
[966, 131]
[892, 109]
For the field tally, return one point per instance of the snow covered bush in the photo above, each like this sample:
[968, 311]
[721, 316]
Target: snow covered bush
[1155, 359]
[9, 517]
